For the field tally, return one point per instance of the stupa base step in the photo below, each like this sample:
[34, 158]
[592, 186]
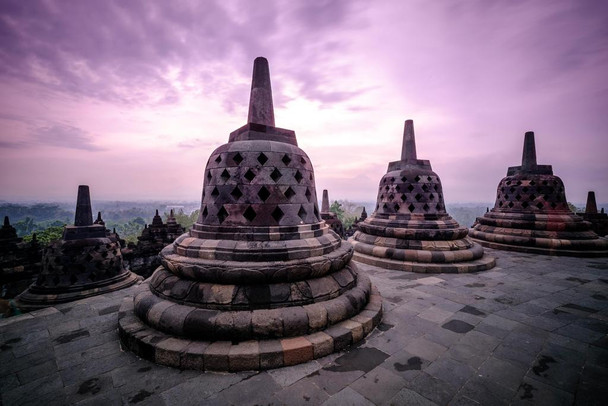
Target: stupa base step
[183, 353]
[557, 251]
[29, 301]
[481, 264]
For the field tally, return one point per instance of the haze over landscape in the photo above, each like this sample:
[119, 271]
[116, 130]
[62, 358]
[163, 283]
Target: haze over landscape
[132, 97]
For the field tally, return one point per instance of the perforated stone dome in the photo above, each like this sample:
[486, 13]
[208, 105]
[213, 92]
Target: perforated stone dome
[410, 228]
[260, 281]
[85, 262]
[531, 214]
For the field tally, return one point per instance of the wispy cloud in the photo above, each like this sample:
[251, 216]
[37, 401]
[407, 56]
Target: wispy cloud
[64, 136]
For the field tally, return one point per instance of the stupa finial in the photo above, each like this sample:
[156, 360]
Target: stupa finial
[591, 207]
[7, 223]
[99, 216]
[528, 159]
[261, 110]
[325, 202]
[84, 215]
[408, 149]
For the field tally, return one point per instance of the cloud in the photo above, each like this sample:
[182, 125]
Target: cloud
[64, 136]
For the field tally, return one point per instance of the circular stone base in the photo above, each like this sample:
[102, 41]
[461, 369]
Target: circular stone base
[482, 264]
[557, 251]
[183, 353]
[36, 298]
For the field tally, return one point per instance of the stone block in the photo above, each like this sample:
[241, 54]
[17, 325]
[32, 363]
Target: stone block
[296, 350]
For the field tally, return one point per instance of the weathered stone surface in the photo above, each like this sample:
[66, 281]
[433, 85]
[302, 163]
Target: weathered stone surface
[410, 229]
[531, 214]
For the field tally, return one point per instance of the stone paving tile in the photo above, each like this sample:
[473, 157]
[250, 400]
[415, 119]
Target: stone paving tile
[537, 335]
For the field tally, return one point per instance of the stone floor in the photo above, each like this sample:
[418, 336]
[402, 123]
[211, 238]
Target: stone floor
[532, 330]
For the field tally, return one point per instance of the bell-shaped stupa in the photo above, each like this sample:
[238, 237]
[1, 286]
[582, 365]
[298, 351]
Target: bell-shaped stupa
[85, 262]
[531, 214]
[410, 229]
[598, 219]
[260, 281]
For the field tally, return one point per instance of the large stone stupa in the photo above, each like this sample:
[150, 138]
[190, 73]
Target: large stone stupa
[531, 214]
[85, 262]
[260, 281]
[410, 229]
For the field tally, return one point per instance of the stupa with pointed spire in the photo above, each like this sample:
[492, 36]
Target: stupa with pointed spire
[260, 281]
[531, 214]
[598, 219]
[85, 262]
[410, 229]
[329, 216]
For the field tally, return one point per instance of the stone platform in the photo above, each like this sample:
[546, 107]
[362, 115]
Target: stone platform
[533, 330]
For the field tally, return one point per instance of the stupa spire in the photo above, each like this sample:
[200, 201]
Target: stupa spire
[261, 110]
[325, 202]
[84, 215]
[528, 159]
[591, 206]
[7, 223]
[408, 149]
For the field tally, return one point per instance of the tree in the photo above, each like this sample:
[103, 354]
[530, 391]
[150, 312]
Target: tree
[46, 236]
[573, 208]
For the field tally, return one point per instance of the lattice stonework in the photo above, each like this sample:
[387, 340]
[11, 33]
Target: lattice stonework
[536, 193]
[415, 194]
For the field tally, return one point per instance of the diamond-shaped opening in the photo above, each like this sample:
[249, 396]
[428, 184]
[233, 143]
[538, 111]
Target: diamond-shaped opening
[286, 159]
[403, 197]
[553, 205]
[539, 205]
[429, 178]
[418, 197]
[391, 196]
[396, 207]
[410, 187]
[425, 188]
[385, 206]
[546, 197]
[209, 176]
[215, 192]
[403, 179]
[289, 193]
[524, 205]
[386, 187]
[302, 161]
[500, 204]
[532, 183]
[310, 177]
[249, 175]
[277, 214]
[438, 207]
[397, 188]
[426, 207]
[545, 183]
[411, 207]
[381, 196]
[308, 194]
[302, 213]
[506, 197]
[392, 180]
[532, 197]
[276, 175]
[511, 204]
[262, 158]
[298, 176]
[512, 189]
[431, 196]
[518, 197]
[508, 182]
[316, 211]
[249, 214]
[518, 183]
[236, 193]
[417, 178]
[263, 193]
[205, 212]
[225, 175]
[550, 190]
[222, 214]
[524, 189]
[238, 158]
[218, 159]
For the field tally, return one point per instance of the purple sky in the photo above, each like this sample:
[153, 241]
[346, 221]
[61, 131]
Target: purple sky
[131, 97]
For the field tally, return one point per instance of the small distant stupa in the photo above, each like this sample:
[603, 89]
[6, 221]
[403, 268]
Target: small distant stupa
[410, 229]
[260, 281]
[598, 220]
[531, 214]
[85, 262]
[330, 217]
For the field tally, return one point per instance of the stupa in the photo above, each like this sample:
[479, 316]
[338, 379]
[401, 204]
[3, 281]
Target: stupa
[410, 229]
[598, 220]
[329, 216]
[531, 214]
[85, 262]
[260, 281]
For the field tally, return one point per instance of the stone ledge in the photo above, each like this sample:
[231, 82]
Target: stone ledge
[182, 353]
[482, 264]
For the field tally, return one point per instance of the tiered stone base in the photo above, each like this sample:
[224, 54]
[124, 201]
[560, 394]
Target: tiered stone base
[547, 234]
[38, 297]
[184, 353]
